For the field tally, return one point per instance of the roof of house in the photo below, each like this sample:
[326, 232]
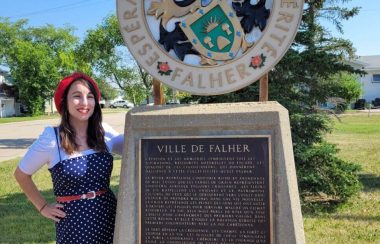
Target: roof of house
[370, 62]
[7, 77]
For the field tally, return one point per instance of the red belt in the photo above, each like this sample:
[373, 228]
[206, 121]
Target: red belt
[89, 195]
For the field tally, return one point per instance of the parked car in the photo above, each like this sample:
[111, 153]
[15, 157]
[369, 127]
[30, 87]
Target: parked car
[121, 104]
[102, 103]
[360, 104]
[376, 102]
[173, 102]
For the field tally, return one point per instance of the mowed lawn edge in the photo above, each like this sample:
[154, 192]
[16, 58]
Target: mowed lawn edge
[358, 221]
[20, 222]
[357, 137]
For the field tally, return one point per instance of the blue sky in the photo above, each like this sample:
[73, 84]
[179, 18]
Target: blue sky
[81, 14]
[362, 30]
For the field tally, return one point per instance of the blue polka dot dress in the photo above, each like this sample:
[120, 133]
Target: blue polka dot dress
[87, 220]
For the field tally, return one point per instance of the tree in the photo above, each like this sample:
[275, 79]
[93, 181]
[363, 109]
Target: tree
[346, 87]
[107, 91]
[37, 59]
[147, 80]
[31, 66]
[104, 49]
[305, 77]
[9, 33]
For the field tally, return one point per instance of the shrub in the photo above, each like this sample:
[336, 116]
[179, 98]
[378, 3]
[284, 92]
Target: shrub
[323, 178]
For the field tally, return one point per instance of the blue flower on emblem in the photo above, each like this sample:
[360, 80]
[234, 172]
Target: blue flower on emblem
[201, 11]
[195, 41]
[183, 24]
[209, 54]
[231, 14]
[238, 33]
[231, 54]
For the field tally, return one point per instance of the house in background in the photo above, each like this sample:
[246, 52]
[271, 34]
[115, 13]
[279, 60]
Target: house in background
[371, 81]
[7, 104]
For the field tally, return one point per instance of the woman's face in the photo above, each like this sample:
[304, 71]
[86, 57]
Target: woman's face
[80, 101]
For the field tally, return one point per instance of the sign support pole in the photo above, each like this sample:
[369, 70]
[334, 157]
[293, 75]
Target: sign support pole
[158, 93]
[264, 88]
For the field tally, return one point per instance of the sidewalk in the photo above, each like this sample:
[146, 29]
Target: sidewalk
[15, 138]
[364, 111]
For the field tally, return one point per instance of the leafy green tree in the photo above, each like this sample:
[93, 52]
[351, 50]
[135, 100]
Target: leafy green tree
[37, 57]
[346, 87]
[9, 33]
[136, 92]
[306, 76]
[146, 79]
[31, 66]
[175, 95]
[128, 80]
[104, 49]
[107, 91]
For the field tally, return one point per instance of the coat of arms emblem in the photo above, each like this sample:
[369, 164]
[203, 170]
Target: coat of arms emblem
[208, 46]
[214, 31]
[211, 29]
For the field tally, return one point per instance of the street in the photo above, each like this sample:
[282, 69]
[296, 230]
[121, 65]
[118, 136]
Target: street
[15, 138]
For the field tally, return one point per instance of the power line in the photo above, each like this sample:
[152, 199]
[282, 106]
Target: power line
[49, 9]
[369, 10]
[82, 3]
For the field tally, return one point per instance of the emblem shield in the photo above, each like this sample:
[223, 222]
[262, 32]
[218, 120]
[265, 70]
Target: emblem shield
[214, 31]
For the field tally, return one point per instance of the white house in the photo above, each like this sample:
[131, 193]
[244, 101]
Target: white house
[371, 81]
[7, 104]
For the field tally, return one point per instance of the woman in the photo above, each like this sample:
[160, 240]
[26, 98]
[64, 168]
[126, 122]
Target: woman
[78, 156]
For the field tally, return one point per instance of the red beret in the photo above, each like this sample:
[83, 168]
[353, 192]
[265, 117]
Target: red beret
[66, 82]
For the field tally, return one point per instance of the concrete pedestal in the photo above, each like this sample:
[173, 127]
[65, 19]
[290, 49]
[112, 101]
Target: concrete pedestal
[235, 120]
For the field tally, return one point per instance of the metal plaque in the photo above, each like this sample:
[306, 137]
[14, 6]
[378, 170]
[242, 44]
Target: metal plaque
[205, 190]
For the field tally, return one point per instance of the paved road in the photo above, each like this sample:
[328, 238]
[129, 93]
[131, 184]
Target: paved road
[15, 138]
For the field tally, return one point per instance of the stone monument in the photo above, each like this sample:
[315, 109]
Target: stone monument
[215, 173]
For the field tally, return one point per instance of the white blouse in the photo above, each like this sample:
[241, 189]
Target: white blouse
[45, 150]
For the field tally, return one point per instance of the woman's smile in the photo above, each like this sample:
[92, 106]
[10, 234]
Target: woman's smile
[80, 101]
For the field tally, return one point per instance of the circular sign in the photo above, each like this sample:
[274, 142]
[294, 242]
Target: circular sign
[208, 47]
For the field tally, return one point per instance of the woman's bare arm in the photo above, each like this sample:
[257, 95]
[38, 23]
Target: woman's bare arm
[51, 211]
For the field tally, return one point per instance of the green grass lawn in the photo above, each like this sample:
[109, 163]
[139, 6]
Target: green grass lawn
[20, 222]
[27, 118]
[53, 116]
[358, 137]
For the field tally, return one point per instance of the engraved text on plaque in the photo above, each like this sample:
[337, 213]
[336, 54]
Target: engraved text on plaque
[205, 190]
